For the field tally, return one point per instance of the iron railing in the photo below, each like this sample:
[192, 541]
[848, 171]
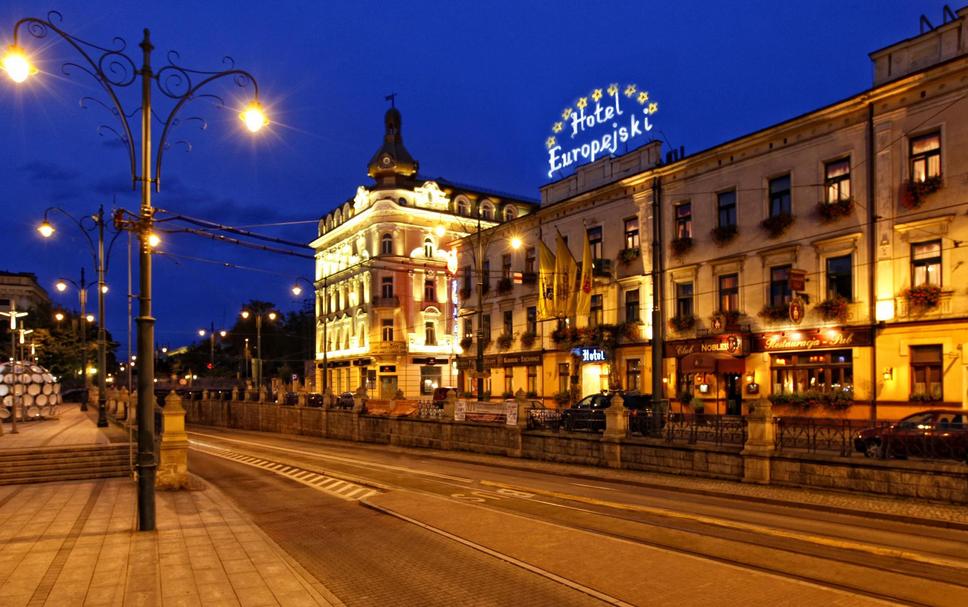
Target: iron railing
[701, 428]
[544, 419]
[813, 434]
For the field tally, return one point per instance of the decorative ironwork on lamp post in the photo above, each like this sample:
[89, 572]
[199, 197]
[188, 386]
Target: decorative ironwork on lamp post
[112, 69]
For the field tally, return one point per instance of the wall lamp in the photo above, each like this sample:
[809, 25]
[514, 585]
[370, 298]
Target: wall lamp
[888, 374]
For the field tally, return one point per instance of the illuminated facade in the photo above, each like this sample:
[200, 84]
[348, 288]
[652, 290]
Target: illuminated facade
[385, 292]
[819, 261]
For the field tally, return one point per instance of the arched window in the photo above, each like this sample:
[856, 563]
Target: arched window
[386, 245]
[509, 213]
[463, 208]
[487, 211]
[428, 247]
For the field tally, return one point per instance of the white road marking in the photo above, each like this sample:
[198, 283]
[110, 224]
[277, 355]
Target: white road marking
[595, 487]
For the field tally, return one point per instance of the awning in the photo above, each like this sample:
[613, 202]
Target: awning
[709, 362]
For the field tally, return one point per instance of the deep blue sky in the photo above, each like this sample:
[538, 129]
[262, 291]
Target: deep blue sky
[479, 84]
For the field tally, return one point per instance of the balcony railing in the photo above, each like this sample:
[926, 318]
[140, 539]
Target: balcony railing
[386, 302]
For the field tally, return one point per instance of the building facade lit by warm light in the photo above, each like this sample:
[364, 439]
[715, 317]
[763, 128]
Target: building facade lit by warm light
[384, 276]
[818, 262]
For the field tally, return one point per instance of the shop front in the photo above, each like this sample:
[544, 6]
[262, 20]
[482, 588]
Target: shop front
[711, 373]
[504, 374]
[346, 375]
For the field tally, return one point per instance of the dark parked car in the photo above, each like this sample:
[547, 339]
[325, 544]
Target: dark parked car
[939, 434]
[589, 412]
[345, 400]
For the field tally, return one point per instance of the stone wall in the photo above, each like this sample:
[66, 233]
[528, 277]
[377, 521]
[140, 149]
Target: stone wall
[927, 480]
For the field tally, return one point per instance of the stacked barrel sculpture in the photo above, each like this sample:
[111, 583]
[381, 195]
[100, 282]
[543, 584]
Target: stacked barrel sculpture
[33, 389]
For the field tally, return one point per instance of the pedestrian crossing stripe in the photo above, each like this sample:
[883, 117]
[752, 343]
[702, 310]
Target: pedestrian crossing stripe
[334, 486]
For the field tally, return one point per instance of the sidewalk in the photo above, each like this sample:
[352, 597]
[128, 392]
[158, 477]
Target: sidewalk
[75, 543]
[71, 427]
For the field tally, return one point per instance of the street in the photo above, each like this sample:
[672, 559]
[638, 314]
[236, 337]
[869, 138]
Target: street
[381, 525]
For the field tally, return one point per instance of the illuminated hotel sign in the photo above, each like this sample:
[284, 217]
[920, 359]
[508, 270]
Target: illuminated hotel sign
[595, 125]
[590, 355]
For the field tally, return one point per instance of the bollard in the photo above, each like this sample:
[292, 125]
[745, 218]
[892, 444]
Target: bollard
[760, 443]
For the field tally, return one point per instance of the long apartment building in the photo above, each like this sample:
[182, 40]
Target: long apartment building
[818, 262]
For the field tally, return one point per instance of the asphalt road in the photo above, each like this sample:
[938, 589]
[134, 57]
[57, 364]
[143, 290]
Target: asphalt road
[381, 526]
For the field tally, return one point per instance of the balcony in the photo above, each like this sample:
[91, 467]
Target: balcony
[416, 343]
[386, 302]
[602, 268]
[529, 278]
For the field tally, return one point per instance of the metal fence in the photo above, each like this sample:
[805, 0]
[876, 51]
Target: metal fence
[813, 434]
[544, 419]
[701, 428]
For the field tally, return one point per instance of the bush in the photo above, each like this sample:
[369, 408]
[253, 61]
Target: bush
[562, 398]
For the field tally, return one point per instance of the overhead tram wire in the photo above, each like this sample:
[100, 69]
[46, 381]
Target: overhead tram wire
[236, 241]
[236, 230]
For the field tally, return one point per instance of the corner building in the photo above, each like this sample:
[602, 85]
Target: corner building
[819, 262]
[384, 276]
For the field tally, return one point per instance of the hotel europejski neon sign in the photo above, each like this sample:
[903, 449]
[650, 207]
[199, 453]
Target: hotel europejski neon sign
[597, 124]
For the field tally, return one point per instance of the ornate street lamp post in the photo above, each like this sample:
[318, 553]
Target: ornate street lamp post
[82, 286]
[113, 70]
[258, 341]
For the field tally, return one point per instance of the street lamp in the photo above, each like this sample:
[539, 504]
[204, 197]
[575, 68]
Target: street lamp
[271, 315]
[297, 290]
[16, 390]
[211, 352]
[81, 286]
[113, 70]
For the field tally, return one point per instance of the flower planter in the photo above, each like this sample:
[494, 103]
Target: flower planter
[833, 309]
[774, 313]
[504, 341]
[682, 323]
[681, 246]
[627, 256]
[528, 339]
[723, 235]
[834, 210]
[776, 225]
[914, 193]
[923, 297]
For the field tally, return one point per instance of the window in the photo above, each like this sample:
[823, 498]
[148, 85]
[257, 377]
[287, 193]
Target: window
[926, 263]
[532, 387]
[633, 374]
[428, 247]
[486, 328]
[506, 265]
[386, 286]
[468, 327]
[836, 180]
[463, 208]
[632, 233]
[926, 157]
[595, 241]
[430, 290]
[386, 245]
[429, 379]
[595, 314]
[487, 212]
[632, 305]
[508, 318]
[386, 329]
[780, 294]
[510, 213]
[726, 206]
[467, 280]
[780, 203]
[926, 367]
[486, 276]
[529, 260]
[840, 279]
[509, 380]
[684, 299]
[684, 220]
[563, 377]
[532, 320]
[799, 372]
[430, 333]
[729, 293]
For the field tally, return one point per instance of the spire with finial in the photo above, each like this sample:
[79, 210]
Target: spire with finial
[392, 165]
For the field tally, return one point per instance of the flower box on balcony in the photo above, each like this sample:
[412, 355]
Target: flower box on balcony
[528, 338]
[775, 313]
[834, 308]
[835, 209]
[504, 341]
[681, 246]
[923, 297]
[504, 286]
[776, 225]
[465, 293]
[466, 342]
[627, 256]
[682, 323]
[723, 235]
[913, 193]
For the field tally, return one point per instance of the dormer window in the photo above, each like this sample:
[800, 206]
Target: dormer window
[487, 212]
[428, 247]
[463, 208]
[509, 213]
[386, 245]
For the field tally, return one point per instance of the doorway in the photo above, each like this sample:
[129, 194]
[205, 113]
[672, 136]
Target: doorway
[388, 386]
[734, 393]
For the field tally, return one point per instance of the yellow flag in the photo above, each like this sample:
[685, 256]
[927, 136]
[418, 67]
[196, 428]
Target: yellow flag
[583, 305]
[566, 270]
[546, 282]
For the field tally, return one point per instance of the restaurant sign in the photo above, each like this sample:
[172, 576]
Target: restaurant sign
[812, 340]
[731, 343]
[597, 123]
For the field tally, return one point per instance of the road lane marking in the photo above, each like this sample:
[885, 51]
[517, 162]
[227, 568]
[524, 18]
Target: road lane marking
[819, 540]
[336, 487]
[338, 458]
[595, 487]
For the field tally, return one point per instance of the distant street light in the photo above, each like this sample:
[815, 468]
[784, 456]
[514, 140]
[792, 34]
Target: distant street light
[258, 341]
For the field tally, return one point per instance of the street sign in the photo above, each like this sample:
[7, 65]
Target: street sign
[517, 277]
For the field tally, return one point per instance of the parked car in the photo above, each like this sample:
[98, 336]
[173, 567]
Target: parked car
[939, 433]
[440, 395]
[314, 400]
[345, 400]
[589, 412]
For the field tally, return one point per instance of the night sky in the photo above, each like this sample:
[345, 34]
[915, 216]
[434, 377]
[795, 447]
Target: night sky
[479, 85]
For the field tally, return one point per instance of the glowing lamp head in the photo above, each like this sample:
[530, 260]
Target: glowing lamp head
[89, 318]
[253, 117]
[16, 64]
[296, 290]
[104, 288]
[223, 333]
[153, 240]
[440, 231]
[46, 229]
[59, 316]
[272, 315]
[245, 314]
[60, 285]
[516, 243]
[201, 332]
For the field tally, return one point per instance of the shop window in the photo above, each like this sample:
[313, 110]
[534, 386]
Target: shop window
[729, 293]
[684, 307]
[529, 260]
[430, 290]
[506, 265]
[726, 207]
[799, 372]
[563, 377]
[509, 380]
[632, 305]
[595, 313]
[532, 320]
[684, 220]
[632, 233]
[386, 244]
[595, 241]
[780, 293]
[386, 329]
[430, 333]
[836, 180]
[429, 379]
[926, 369]
[926, 263]
[926, 156]
[633, 374]
[780, 200]
[508, 322]
[532, 387]
[386, 286]
[840, 277]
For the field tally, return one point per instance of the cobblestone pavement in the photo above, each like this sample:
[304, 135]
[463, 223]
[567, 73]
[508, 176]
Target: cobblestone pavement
[71, 427]
[65, 544]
